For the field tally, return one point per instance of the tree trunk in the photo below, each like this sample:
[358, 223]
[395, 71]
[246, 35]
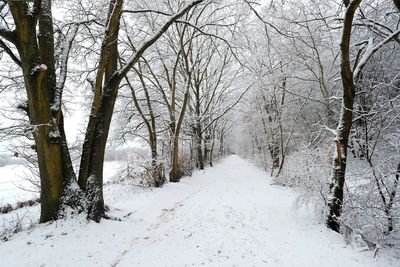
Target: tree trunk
[94, 178]
[334, 206]
[47, 56]
[157, 171]
[199, 144]
[207, 148]
[94, 188]
[175, 174]
[38, 66]
[211, 157]
[108, 64]
[109, 93]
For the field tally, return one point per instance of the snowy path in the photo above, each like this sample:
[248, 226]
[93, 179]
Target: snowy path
[228, 215]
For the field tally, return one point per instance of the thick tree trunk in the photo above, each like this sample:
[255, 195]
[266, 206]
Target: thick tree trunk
[98, 141]
[108, 64]
[175, 173]
[38, 66]
[47, 56]
[94, 188]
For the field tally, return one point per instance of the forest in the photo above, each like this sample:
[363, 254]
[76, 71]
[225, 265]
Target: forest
[303, 96]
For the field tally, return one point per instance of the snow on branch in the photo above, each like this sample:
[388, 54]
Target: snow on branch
[200, 30]
[371, 49]
[63, 63]
[230, 107]
[139, 52]
[266, 23]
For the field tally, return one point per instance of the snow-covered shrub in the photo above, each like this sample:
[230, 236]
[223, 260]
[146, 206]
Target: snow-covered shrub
[367, 208]
[309, 171]
[16, 221]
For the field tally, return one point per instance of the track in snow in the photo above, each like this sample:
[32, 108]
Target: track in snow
[228, 215]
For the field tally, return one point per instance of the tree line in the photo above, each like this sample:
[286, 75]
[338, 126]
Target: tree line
[331, 72]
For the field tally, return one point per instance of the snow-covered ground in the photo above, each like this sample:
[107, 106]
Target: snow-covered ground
[14, 185]
[228, 215]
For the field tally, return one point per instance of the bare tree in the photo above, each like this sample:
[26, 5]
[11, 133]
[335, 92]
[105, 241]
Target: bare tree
[36, 54]
[350, 77]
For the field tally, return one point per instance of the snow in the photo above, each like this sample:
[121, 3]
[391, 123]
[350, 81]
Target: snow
[43, 67]
[54, 135]
[63, 65]
[37, 68]
[370, 51]
[15, 187]
[12, 184]
[229, 215]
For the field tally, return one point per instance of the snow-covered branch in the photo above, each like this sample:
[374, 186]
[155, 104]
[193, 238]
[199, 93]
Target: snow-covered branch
[139, 52]
[10, 53]
[371, 50]
[63, 65]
